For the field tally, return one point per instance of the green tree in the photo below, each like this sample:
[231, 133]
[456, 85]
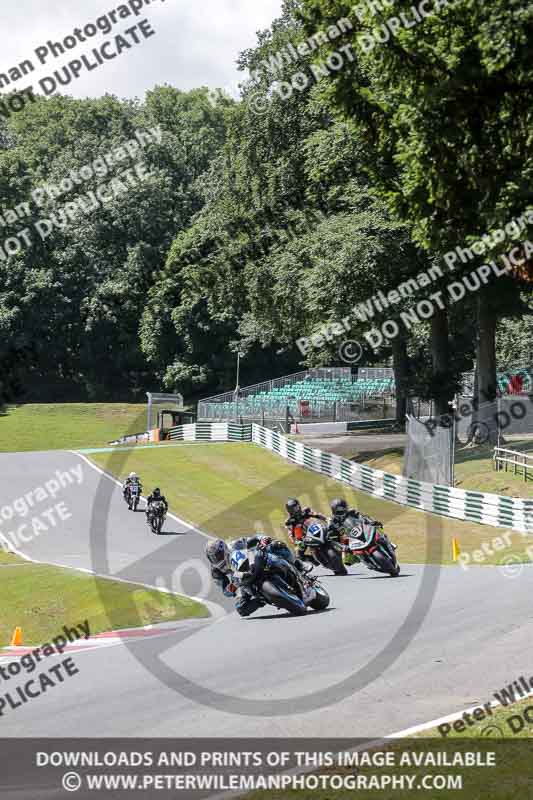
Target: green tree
[444, 109]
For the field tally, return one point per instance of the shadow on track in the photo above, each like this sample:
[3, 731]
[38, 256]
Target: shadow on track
[286, 615]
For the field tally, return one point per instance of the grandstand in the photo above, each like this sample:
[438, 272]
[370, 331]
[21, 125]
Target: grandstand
[334, 393]
[326, 393]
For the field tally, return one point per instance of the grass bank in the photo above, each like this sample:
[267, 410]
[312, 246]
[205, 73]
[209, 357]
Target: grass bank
[235, 489]
[57, 426]
[41, 599]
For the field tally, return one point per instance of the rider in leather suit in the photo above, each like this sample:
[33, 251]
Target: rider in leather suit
[218, 554]
[297, 516]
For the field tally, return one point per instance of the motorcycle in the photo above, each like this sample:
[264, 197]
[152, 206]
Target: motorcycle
[281, 584]
[133, 496]
[367, 540]
[326, 550]
[156, 516]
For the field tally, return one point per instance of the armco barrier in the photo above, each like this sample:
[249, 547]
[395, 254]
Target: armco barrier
[487, 509]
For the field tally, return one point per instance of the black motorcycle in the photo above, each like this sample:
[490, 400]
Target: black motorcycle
[326, 550]
[366, 539]
[280, 584]
[156, 516]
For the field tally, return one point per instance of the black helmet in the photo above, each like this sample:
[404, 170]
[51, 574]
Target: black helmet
[157, 492]
[217, 553]
[338, 506]
[293, 506]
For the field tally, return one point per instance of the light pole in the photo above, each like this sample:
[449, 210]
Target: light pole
[237, 387]
[453, 406]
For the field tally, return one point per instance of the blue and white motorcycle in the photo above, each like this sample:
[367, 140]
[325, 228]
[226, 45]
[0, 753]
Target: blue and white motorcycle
[279, 582]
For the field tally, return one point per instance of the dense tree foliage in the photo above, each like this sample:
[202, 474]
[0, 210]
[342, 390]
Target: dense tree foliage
[444, 109]
[268, 220]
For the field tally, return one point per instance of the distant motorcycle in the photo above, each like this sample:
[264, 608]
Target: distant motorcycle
[281, 584]
[156, 516]
[366, 539]
[134, 495]
[328, 551]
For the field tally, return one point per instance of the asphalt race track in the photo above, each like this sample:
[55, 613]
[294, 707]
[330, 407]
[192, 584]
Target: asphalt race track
[470, 643]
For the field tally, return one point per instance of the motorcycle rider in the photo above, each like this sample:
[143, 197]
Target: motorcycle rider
[297, 516]
[339, 511]
[218, 555]
[156, 496]
[132, 478]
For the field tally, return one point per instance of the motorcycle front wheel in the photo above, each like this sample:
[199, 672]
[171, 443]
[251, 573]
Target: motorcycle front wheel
[321, 600]
[386, 564]
[281, 598]
[335, 562]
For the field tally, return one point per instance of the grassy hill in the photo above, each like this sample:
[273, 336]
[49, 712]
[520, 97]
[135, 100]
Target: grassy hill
[56, 426]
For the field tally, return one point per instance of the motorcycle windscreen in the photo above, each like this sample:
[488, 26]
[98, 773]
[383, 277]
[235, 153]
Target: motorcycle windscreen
[315, 534]
[240, 561]
[361, 532]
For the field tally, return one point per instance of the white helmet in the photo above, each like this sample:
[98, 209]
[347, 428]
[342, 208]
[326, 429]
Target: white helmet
[133, 475]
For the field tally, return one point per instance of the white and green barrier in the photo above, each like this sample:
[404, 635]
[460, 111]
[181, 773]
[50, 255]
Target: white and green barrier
[487, 509]
[211, 432]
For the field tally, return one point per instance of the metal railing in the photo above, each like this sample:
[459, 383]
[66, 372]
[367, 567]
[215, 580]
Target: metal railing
[514, 459]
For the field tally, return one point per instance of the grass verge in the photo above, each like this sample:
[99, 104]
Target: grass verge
[235, 489]
[56, 426]
[501, 738]
[66, 597]
[474, 469]
[514, 721]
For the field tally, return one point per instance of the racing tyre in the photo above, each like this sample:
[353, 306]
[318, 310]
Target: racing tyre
[321, 600]
[335, 561]
[386, 564]
[281, 598]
